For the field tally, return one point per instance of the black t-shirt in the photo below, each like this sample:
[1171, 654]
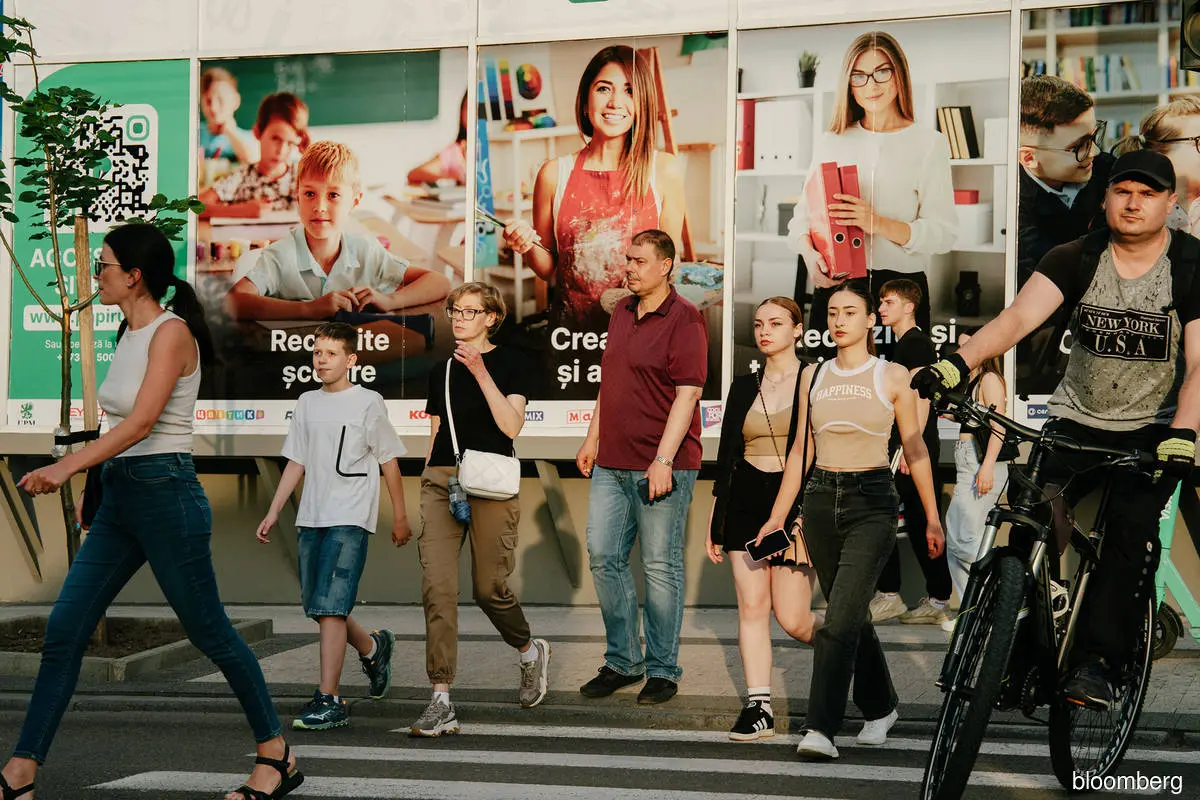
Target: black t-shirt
[473, 420]
[912, 351]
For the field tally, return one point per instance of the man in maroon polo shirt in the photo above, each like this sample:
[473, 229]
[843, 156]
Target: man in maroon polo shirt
[645, 427]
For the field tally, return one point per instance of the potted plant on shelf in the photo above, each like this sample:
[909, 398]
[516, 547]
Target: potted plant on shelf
[806, 69]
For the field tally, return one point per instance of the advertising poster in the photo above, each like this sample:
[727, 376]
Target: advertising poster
[1095, 79]
[562, 114]
[149, 121]
[928, 186]
[372, 233]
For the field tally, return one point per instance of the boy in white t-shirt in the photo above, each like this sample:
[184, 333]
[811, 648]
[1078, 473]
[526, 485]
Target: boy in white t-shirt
[339, 437]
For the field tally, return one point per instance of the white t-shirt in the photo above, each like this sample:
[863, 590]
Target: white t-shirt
[341, 438]
[288, 271]
[904, 175]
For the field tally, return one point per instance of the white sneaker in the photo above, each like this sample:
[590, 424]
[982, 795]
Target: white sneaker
[925, 613]
[948, 625]
[886, 606]
[875, 731]
[816, 745]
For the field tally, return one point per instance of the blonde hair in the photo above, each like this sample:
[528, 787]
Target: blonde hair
[1159, 124]
[489, 297]
[847, 111]
[332, 161]
[214, 75]
[637, 156]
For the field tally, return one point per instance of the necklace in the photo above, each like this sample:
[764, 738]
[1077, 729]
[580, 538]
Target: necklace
[775, 382]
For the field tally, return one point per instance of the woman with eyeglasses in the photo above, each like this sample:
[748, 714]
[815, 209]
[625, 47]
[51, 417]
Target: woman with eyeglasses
[906, 202]
[1173, 129]
[489, 385]
[153, 510]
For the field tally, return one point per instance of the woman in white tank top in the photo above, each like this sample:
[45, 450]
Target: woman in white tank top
[847, 407]
[153, 509]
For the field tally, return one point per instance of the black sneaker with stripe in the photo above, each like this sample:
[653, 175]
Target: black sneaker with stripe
[379, 669]
[755, 722]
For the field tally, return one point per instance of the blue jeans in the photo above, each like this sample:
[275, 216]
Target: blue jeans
[331, 564]
[968, 513]
[850, 529]
[616, 515]
[154, 509]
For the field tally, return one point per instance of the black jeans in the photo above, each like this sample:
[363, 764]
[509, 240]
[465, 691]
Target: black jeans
[936, 570]
[818, 315]
[850, 528]
[1111, 616]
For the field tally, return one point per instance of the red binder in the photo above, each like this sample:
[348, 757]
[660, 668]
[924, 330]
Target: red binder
[829, 238]
[744, 147]
[857, 239]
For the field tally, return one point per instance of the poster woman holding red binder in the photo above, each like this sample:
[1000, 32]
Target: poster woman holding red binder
[905, 202]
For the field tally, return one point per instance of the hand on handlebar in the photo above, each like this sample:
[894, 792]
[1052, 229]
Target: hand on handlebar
[1175, 455]
[940, 377]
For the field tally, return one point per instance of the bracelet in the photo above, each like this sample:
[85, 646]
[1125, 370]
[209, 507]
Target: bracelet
[666, 461]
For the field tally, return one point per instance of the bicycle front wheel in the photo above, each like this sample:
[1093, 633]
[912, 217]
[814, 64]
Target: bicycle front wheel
[1085, 744]
[983, 639]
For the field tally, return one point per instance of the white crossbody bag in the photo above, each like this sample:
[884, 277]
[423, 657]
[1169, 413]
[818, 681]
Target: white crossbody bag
[490, 476]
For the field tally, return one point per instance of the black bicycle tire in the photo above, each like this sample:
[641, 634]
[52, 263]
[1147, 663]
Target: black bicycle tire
[1166, 630]
[1061, 757]
[1006, 579]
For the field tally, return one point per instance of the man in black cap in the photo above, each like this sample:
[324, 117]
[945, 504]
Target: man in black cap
[1132, 381]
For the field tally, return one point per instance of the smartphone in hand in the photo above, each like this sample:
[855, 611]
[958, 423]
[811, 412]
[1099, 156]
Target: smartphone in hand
[774, 542]
[643, 487]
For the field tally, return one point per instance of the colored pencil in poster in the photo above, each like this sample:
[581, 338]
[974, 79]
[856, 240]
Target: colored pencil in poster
[506, 87]
[493, 90]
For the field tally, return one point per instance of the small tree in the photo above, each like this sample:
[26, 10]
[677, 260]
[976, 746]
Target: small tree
[64, 152]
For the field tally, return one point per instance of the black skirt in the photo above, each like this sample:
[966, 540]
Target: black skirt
[752, 493]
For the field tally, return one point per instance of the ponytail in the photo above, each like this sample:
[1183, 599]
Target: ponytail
[187, 306]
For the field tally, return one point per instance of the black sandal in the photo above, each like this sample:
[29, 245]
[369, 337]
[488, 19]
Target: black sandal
[289, 779]
[9, 793]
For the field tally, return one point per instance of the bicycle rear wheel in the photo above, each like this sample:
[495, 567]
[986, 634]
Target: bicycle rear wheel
[984, 638]
[1088, 744]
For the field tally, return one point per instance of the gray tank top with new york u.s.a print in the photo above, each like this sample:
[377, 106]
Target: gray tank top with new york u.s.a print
[1126, 362]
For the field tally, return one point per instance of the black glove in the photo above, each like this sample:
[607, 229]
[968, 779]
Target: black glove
[1175, 454]
[943, 376]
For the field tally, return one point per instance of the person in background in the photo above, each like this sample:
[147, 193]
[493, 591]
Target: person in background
[222, 142]
[981, 474]
[642, 452]
[849, 514]
[907, 205]
[489, 385]
[912, 349]
[339, 438]
[1173, 129]
[268, 184]
[757, 432]
[450, 163]
[153, 510]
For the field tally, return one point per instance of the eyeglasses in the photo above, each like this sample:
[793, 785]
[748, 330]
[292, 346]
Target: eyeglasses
[1195, 140]
[466, 314]
[99, 265]
[1082, 150]
[880, 75]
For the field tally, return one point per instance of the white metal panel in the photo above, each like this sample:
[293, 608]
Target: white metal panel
[114, 30]
[274, 27]
[776, 13]
[542, 20]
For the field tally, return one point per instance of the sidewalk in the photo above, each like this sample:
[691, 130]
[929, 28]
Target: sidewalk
[709, 693]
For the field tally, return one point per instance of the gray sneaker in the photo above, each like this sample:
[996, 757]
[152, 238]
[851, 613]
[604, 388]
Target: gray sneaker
[535, 676]
[437, 720]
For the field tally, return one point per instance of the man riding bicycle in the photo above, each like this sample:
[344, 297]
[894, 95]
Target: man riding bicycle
[1131, 382]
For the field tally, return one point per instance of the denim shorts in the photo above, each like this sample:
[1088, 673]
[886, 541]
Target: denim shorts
[331, 563]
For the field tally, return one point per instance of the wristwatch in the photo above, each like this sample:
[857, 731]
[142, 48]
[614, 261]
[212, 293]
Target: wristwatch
[666, 461]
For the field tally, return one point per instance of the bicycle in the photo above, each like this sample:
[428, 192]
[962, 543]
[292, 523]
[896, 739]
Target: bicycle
[1012, 638]
[1168, 625]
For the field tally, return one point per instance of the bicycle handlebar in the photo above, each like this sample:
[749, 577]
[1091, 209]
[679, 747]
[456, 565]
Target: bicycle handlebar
[985, 415]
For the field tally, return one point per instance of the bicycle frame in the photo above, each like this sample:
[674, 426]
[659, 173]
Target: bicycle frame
[1168, 576]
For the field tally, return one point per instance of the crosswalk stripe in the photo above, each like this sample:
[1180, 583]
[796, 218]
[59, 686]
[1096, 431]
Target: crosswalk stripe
[724, 766]
[1038, 750]
[398, 787]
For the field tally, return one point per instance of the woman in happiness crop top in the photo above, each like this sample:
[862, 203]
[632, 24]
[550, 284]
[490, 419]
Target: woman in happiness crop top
[153, 507]
[849, 511]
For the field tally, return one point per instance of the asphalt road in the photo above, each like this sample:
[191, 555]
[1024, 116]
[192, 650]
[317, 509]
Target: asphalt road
[137, 755]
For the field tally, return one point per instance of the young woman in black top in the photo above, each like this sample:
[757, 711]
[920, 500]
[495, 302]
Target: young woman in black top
[757, 432]
[488, 390]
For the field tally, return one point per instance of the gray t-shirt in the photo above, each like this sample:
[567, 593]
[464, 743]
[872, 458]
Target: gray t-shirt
[1127, 360]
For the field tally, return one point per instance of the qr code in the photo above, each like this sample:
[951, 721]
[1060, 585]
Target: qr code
[132, 164]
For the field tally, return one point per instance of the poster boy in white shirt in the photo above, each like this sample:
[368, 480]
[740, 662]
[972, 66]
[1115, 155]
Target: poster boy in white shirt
[339, 436]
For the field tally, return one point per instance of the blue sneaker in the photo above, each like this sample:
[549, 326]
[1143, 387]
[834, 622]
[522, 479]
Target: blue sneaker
[379, 669]
[322, 713]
